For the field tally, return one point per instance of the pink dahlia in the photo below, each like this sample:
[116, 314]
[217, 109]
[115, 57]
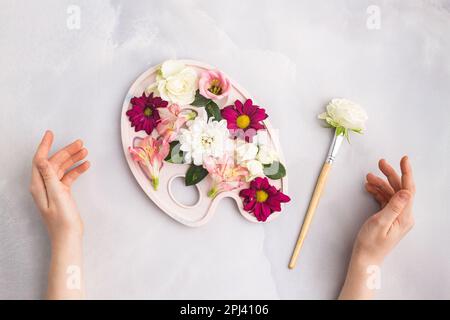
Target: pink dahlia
[244, 116]
[213, 84]
[262, 199]
[144, 113]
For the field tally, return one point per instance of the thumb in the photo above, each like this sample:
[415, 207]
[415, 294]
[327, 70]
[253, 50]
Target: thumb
[394, 207]
[48, 174]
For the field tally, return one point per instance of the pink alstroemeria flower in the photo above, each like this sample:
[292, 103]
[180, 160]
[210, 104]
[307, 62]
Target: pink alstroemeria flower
[172, 119]
[226, 175]
[150, 154]
[213, 84]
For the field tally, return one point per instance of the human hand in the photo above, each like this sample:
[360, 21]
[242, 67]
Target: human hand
[51, 183]
[383, 230]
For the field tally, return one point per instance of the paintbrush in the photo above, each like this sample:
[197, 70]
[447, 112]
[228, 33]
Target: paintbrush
[345, 116]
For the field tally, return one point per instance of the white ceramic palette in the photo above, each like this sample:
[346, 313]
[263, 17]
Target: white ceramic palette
[203, 210]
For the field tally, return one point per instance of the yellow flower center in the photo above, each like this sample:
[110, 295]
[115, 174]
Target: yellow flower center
[207, 141]
[215, 87]
[148, 112]
[243, 121]
[261, 196]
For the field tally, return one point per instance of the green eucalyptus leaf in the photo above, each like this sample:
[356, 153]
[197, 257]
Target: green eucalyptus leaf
[195, 174]
[213, 111]
[175, 154]
[200, 101]
[275, 171]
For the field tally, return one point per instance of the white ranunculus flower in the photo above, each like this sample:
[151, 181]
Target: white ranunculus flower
[176, 83]
[255, 168]
[261, 138]
[345, 114]
[204, 138]
[266, 154]
[254, 155]
[245, 151]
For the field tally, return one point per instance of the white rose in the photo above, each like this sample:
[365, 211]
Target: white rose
[255, 168]
[176, 83]
[245, 151]
[266, 154]
[171, 67]
[346, 114]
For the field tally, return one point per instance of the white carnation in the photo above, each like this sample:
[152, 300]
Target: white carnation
[204, 138]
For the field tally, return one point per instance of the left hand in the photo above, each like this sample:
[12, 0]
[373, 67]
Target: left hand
[51, 181]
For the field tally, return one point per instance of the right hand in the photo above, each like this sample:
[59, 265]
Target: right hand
[382, 231]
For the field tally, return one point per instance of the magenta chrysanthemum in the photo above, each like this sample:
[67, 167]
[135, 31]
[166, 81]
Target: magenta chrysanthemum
[244, 116]
[262, 199]
[144, 113]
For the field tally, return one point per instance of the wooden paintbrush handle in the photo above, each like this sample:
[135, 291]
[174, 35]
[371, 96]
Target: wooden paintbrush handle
[310, 213]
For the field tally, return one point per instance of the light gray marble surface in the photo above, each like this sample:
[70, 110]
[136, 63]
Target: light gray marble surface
[293, 56]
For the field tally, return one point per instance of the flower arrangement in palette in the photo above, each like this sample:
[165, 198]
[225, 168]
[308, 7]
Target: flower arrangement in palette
[229, 148]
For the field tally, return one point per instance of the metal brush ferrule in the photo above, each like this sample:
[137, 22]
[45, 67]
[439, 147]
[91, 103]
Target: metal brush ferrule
[334, 148]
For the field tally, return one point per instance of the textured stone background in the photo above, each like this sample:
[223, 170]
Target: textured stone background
[293, 56]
